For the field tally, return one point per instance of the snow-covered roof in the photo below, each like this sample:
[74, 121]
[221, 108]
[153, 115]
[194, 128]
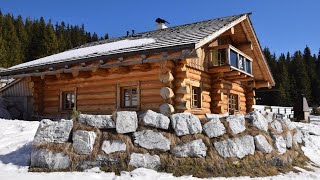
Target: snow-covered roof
[178, 36]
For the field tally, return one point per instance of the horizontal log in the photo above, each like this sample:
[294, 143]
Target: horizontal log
[110, 95]
[205, 105]
[166, 109]
[155, 84]
[101, 102]
[96, 108]
[150, 92]
[151, 106]
[206, 98]
[201, 111]
[182, 105]
[183, 90]
[181, 82]
[166, 77]
[151, 99]
[96, 89]
[182, 98]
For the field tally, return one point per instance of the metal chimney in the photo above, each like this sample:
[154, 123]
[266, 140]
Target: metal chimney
[161, 23]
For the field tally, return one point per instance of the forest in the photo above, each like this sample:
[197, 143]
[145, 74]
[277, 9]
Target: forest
[23, 40]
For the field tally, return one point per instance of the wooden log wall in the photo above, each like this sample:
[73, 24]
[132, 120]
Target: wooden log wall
[37, 87]
[166, 91]
[96, 91]
[219, 94]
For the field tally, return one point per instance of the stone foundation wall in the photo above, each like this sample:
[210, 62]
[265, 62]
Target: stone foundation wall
[181, 143]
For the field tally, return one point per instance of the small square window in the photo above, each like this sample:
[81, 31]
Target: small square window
[196, 97]
[233, 103]
[68, 100]
[129, 97]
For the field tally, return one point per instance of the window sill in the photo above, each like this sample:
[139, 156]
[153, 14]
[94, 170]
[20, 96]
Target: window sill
[128, 109]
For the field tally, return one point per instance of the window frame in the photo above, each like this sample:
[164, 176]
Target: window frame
[63, 91]
[120, 95]
[235, 102]
[199, 94]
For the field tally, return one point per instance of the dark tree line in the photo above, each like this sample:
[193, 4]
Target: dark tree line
[23, 40]
[294, 74]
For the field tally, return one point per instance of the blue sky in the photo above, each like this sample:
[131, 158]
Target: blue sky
[281, 25]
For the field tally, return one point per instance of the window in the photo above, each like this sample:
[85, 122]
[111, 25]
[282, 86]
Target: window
[248, 66]
[241, 62]
[233, 105]
[196, 97]
[68, 100]
[129, 97]
[233, 58]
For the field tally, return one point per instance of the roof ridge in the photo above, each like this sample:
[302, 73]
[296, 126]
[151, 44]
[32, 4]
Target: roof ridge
[166, 29]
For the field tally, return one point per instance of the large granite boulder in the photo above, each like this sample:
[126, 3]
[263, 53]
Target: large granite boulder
[286, 123]
[258, 120]
[53, 131]
[279, 143]
[42, 158]
[214, 128]
[154, 119]
[289, 139]
[83, 141]
[262, 144]
[113, 146]
[193, 149]
[98, 121]
[270, 116]
[185, 123]
[151, 140]
[237, 147]
[276, 126]
[126, 122]
[236, 123]
[297, 137]
[145, 161]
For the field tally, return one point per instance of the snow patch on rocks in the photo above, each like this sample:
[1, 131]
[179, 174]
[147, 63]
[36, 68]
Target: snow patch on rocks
[214, 128]
[185, 123]
[276, 126]
[126, 122]
[154, 119]
[289, 140]
[53, 131]
[151, 140]
[279, 143]
[194, 149]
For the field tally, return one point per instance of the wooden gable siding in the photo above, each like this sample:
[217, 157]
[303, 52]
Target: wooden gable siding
[98, 94]
[17, 88]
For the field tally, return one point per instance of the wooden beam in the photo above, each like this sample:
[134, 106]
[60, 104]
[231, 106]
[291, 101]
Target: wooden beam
[228, 32]
[219, 69]
[245, 46]
[262, 84]
[231, 73]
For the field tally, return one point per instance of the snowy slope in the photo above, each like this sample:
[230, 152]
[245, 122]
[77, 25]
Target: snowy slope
[86, 51]
[15, 148]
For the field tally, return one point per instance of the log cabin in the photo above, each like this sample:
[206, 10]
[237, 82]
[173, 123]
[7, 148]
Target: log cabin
[212, 66]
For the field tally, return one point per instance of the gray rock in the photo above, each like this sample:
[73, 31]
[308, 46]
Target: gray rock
[214, 128]
[297, 137]
[216, 116]
[286, 123]
[126, 121]
[262, 144]
[113, 146]
[53, 131]
[258, 120]
[237, 123]
[289, 140]
[276, 126]
[42, 158]
[279, 143]
[270, 116]
[193, 149]
[185, 123]
[83, 141]
[151, 140]
[154, 119]
[237, 147]
[98, 121]
[145, 161]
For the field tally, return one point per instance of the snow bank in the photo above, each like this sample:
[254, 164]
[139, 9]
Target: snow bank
[86, 51]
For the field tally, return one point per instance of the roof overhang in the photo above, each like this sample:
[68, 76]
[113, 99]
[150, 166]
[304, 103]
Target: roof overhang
[268, 80]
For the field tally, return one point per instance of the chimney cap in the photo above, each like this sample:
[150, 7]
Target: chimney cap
[159, 20]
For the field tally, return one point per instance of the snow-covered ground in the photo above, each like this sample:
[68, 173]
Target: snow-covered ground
[15, 148]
